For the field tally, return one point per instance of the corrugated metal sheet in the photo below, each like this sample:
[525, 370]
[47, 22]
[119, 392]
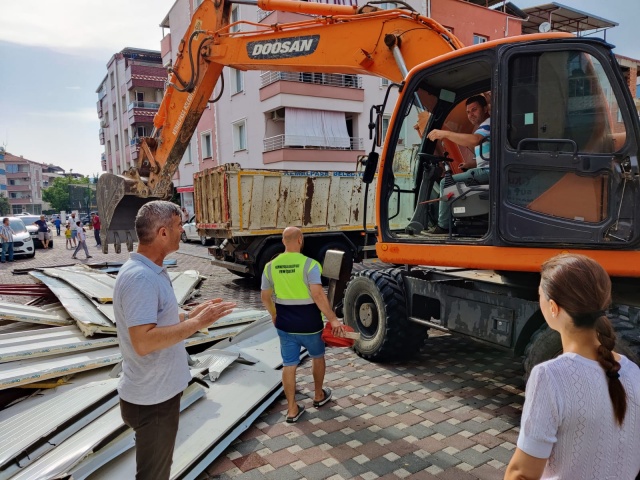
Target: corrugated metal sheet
[92, 283]
[31, 314]
[69, 453]
[184, 283]
[258, 341]
[47, 342]
[22, 372]
[26, 436]
[81, 309]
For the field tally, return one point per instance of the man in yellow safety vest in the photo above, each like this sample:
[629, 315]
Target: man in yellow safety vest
[294, 280]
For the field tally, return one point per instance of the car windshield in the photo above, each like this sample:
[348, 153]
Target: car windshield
[17, 225]
[30, 219]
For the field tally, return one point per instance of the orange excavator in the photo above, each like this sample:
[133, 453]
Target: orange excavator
[562, 153]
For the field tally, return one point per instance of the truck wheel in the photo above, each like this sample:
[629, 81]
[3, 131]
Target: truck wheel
[183, 237]
[322, 252]
[545, 344]
[374, 306]
[204, 240]
[268, 254]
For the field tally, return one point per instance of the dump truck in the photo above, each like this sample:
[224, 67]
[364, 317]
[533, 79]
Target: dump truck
[245, 211]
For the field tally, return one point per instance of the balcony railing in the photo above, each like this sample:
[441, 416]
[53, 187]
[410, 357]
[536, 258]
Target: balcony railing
[320, 143]
[149, 105]
[104, 123]
[329, 79]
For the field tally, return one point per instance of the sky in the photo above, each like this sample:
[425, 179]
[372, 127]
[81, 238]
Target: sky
[53, 56]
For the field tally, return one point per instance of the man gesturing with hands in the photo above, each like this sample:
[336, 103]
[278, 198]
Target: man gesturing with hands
[151, 332]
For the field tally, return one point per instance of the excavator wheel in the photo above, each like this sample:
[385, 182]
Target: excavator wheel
[374, 306]
[545, 344]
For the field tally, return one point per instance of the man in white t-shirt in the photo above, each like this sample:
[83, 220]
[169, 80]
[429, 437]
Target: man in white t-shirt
[74, 229]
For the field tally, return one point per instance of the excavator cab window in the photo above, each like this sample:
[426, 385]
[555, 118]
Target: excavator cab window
[563, 171]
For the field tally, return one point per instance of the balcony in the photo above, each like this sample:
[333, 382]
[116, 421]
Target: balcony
[18, 176]
[142, 112]
[329, 79]
[101, 136]
[99, 108]
[104, 122]
[293, 141]
[18, 188]
[145, 74]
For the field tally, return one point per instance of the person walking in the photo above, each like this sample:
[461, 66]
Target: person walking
[67, 235]
[44, 233]
[95, 221]
[295, 281]
[6, 235]
[581, 416]
[82, 241]
[57, 222]
[151, 332]
[74, 225]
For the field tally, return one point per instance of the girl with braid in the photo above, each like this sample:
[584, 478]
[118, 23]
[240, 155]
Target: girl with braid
[581, 417]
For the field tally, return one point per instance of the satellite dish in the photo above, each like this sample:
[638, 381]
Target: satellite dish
[544, 27]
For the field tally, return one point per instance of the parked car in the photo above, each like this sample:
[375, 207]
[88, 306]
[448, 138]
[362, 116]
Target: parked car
[29, 221]
[22, 242]
[191, 233]
[86, 219]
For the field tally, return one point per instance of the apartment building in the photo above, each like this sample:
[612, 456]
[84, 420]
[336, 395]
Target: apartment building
[302, 121]
[128, 98]
[3, 174]
[24, 184]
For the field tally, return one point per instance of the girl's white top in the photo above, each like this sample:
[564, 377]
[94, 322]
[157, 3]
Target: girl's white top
[568, 418]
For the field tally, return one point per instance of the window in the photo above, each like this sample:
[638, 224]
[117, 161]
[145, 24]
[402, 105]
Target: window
[196, 3]
[207, 150]
[113, 82]
[12, 168]
[449, 29]
[117, 143]
[385, 126]
[479, 39]
[237, 81]
[142, 131]
[126, 136]
[384, 82]
[186, 158]
[113, 108]
[108, 147]
[124, 103]
[139, 96]
[240, 136]
[235, 16]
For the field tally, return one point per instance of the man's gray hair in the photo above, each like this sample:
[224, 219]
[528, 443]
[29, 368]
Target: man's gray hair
[152, 216]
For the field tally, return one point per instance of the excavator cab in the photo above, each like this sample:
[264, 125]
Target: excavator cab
[563, 162]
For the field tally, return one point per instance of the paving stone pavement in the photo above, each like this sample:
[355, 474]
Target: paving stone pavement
[451, 413]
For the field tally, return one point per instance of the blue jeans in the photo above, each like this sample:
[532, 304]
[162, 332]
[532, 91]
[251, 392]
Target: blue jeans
[291, 343]
[7, 251]
[481, 175]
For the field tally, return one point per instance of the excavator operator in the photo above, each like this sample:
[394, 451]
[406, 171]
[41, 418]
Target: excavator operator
[477, 169]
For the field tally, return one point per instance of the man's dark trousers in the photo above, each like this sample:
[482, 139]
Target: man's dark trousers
[156, 427]
[96, 234]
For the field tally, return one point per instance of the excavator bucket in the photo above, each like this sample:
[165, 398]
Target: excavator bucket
[119, 199]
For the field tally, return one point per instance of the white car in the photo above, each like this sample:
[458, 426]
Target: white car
[22, 242]
[191, 233]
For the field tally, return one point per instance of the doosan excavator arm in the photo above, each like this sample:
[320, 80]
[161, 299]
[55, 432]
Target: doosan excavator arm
[335, 39]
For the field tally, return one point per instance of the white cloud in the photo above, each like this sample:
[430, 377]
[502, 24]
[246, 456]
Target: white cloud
[83, 27]
[81, 115]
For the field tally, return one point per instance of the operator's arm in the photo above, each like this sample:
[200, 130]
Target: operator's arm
[149, 338]
[469, 140]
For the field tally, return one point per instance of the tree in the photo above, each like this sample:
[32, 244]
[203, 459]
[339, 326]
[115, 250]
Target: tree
[57, 194]
[5, 208]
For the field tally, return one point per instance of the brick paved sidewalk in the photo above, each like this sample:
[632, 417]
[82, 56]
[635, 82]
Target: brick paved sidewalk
[451, 413]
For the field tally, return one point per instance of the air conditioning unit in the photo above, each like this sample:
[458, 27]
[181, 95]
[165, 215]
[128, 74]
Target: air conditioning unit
[277, 115]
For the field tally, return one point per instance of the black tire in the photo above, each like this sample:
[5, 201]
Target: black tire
[374, 306]
[269, 253]
[204, 241]
[545, 344]
[183, 237]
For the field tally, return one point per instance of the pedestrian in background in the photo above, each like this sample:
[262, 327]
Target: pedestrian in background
[67, 235]
[95, 221]
[581, 416]
[300, 301]
[185, 215]
[44, 233]
[151, 332]
[74, 227]
[82, 241]
[57, 222]
[6, 235]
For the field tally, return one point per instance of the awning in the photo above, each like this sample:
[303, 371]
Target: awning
[563, 19]
[185, 189]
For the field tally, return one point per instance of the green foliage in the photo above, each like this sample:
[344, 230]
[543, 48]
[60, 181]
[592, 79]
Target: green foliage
[57, 194]
[5, 208]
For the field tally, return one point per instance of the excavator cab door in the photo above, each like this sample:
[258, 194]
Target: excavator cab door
[568, 172]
